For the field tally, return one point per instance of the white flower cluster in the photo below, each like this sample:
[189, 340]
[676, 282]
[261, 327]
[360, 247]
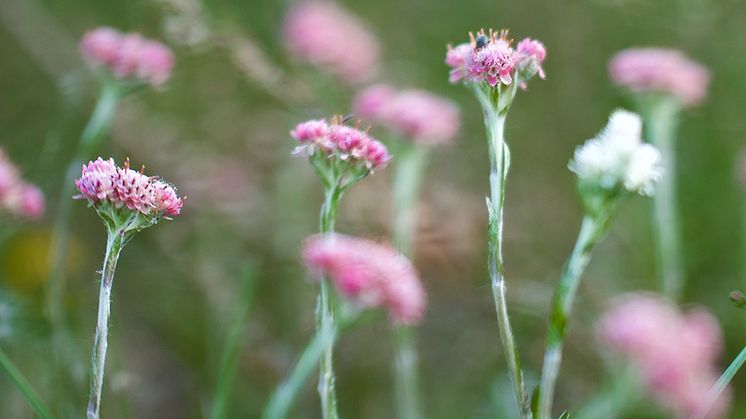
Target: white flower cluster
[617, 156]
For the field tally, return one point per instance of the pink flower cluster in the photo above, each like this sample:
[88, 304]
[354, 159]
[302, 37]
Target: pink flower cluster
[340, 141]
[675, 352]
[128, 56]
[491, 58]
[332, 39]
[660, 70]
[102, 181]
[17, 197]
[415, 114]
[369, 274]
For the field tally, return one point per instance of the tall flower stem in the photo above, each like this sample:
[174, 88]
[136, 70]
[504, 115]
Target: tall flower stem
[407, 181]
[325, 309]
[114, 244]
[721, 384]
[89, 142]
[24, 387]
[591, 231]
[660, 118]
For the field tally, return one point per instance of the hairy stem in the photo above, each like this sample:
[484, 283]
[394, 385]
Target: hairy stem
[24, 387]
[114, 246]
[721, 384]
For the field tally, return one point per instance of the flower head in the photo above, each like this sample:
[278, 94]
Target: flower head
[618, 158]
[674, 352]
[660, 70]
[331, 38]
[415, 114]
[531, 54]
[18, 197]
[368, 274]
[120, 192]
[128, 56]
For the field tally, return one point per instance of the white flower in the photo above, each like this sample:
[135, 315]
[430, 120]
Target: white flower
[644, 170]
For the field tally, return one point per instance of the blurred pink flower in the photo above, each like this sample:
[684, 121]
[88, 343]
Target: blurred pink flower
[31, 202]
[368, 274]
[660, 70]
[101, 181]
[674, 352]
[415, 114]
[18, 197]
[128, 56]
[331, 38]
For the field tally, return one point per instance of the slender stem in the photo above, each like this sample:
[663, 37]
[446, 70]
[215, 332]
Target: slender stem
[407, 181]
[114, 246]
[499, 165]
[24, 387]
[590, 232]
[721, 384]
[660, 129]
[286, 393]
[229, 359]
[616, 398]
[325, 310]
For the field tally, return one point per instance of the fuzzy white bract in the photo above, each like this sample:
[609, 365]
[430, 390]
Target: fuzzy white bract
[617, 156]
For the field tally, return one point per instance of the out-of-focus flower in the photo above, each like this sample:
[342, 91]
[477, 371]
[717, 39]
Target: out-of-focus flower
[660, 70]
[128, 56]
[331, 38]
[674, 352]
[618, 157]
[490, 58]
[368, 274]
[415, 114]
[116, 192]
[18, 197]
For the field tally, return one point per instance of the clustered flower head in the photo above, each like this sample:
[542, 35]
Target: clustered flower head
[660, 70]
[18, 197]
[415, 114]
[128, 56]
[118, 192]
[674, 352]
[368, 274]
[331, 38]
[617, 157]
[490, 57]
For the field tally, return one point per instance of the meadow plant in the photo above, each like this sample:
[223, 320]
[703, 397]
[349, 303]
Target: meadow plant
[662, 82]
[493, 70]
[610, 167]
[18, 198]
[127, 201]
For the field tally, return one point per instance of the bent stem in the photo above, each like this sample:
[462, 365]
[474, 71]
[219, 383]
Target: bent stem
[24, 387]
[114, 244]
[591, 231]
[722, 382]
[660, 129]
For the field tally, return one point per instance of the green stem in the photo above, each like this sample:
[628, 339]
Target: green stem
[591, 230]
[721, 384]
[325, 310]
[24, 387]
[406, 387]
[660, 130]
[229, 359]
[114, 245]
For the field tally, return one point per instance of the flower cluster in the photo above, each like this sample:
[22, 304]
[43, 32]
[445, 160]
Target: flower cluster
[128, 56]
[108, 187]
[490, 57]
[660, 70]
[332, 39]
[415, 114]
[368, 274]
[618, 157]
[674, 352]
[18, 197]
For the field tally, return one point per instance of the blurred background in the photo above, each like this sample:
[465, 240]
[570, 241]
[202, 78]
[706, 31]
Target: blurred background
[219, 130]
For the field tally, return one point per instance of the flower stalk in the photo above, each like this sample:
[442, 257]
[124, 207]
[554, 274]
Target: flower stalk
[721, 384]
[23, 385]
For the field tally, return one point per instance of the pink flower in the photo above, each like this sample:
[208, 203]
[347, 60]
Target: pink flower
[674, 352]
[102, 182]
[368, 274]
[415, 114]
[31, 202]
[332, 39]
[457, 58]
[660, 70]
[128, 56]
[18, 197]
[493, 63]
[531, 54]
